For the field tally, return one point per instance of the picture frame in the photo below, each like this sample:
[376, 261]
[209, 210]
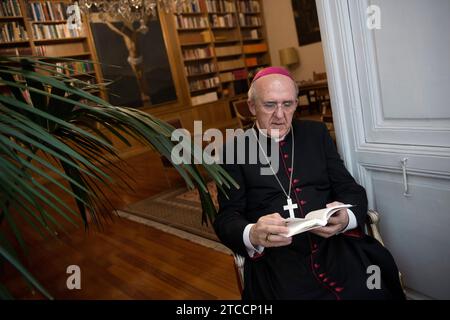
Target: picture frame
[113, 55]
[306, 21]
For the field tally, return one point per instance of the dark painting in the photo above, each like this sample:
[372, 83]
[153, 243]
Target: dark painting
[113, 55]
[306, 21]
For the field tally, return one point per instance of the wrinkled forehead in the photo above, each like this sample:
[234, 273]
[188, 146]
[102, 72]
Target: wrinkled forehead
[276, 86]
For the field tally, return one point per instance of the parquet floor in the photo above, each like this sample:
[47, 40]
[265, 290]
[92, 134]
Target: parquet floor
[124, 259]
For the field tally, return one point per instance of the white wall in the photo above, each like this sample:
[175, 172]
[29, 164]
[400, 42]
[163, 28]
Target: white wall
[389, 88]
[281, 33]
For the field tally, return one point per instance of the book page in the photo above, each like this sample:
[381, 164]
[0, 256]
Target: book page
[299, 225]
[314, 219]
[326, 213]
[320, 214]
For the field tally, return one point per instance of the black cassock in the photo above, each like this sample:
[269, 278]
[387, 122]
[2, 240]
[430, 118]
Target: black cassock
[311, 267]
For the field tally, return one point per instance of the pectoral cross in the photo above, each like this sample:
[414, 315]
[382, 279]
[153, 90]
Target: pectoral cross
[290, 206]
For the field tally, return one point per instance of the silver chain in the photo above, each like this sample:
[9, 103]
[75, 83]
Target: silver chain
[292, 162]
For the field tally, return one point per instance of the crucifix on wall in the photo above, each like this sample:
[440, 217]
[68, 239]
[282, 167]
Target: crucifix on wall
[131, 48]
[130, 32]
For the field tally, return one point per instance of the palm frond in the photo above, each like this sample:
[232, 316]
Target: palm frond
[52, 129]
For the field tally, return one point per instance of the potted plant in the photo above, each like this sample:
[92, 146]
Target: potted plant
[54, 130]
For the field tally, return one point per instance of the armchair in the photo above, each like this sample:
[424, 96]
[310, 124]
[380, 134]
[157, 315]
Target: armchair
[373, 218]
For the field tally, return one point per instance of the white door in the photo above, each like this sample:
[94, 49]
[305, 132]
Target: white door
[390, 91]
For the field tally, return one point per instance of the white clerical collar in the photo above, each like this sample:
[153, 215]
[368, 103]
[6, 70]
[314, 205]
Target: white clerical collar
[263, 132]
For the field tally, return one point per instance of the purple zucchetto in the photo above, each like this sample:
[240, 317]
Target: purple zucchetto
[272, 70]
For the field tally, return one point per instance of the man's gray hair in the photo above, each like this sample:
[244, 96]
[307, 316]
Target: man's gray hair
[252, 92]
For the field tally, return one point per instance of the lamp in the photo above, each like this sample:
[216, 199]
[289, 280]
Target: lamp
[288, 56]
[133, 17]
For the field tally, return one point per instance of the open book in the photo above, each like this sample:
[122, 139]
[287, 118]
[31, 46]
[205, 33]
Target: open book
[314, 219]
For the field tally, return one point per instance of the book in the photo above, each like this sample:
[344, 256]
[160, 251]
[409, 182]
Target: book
[314, 219]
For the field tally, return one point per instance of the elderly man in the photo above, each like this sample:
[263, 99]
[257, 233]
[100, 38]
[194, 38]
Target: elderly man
[329, 262]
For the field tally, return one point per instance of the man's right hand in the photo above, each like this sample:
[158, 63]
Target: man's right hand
[267, 231]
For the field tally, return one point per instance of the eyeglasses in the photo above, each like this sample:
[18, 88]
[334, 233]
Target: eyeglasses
[271, 106]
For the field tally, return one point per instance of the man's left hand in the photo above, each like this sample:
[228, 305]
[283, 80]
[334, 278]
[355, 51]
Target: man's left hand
[336, 223]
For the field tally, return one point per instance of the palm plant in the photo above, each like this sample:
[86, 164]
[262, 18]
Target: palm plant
[50, 136]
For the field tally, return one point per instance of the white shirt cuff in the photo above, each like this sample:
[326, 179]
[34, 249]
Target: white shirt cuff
[352, 223]
[251, 250]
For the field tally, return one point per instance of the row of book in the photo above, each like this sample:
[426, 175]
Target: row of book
[228, 20]
[252, 34]
[41, 50]
[222, 20]
[202, 84]
[190, 54]
[200, 68]
[75, 67]
[234, 75]
[193, 6]
[48, 10]
[249, 21]
[249, 6]
[10, 8]
[54, 31]
[12, 31]
[190, 22]
[221, 6]
[216, 6]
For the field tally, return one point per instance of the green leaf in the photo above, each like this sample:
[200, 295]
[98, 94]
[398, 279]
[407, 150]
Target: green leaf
[22, 106]
[60, 125]
[25, 273]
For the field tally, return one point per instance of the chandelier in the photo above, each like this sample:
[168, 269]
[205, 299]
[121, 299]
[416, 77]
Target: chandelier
[128, 19]
[130, 12]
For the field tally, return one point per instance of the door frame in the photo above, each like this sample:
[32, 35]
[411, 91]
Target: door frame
[348, 91]
[340, 63]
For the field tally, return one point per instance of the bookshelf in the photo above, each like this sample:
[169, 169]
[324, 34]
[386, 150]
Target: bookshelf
[253, 34]
[214, 44]
[40, 28]
[220, 41]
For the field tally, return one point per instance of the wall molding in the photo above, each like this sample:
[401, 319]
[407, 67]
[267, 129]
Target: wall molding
[378, 127]
[348, 90]
[342, 76]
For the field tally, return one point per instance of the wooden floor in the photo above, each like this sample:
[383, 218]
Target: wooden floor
[127, 260]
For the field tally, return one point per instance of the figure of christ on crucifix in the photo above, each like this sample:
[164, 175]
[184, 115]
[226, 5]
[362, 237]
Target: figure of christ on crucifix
[130, 32]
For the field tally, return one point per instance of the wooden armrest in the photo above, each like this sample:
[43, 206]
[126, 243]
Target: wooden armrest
[239, 262]
[373, 218]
